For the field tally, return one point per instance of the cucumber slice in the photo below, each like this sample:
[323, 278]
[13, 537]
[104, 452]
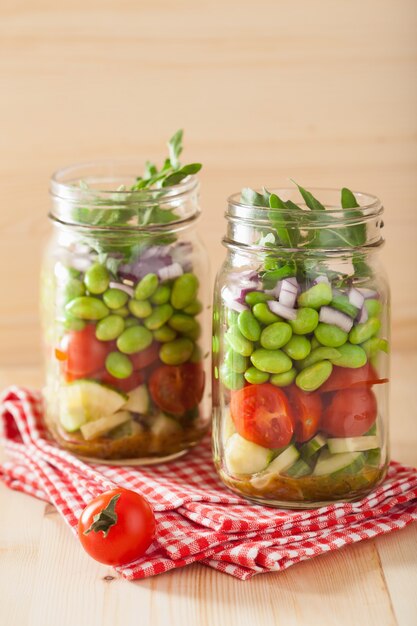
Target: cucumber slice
[164, 426]
[279, 465]
[138, 400]
[373, 457]
[128, 429]
[245, 457]
[300, 468]
[227, 425]
[103, 425]
[86, 400]
[352, 444]
[346, 462]
[310, 448]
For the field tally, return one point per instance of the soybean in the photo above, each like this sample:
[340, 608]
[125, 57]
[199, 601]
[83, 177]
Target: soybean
[119, 365]
[255, 297]
[350, 356]
[131, 321]
[363, 332]
[297, 348]
[161, 295]
[146, 287]
[165, 333]
[115, 298]
[236, 362]
[320, 354]
[373, 345]
[110, 328]
[197, 355]
[231, 380]
[97, 279]
[231, 317]
[134, 339]
[123, 311]
[264, 315]
[194, 308]
[330, 335]
[255, 376]
[374, 307]
[72, 323]
[159, 316]
[238, 342]
[177, 351]
[305, 322]
[315, 297]
[195, 332]
[182, 322]
[249, 326]
[271, 361]
[312, 377]
[276, 335]
[284, 379]
[73, 289]
[184, 290]
[87, 308]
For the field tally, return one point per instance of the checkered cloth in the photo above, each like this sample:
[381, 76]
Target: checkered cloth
[197, 518]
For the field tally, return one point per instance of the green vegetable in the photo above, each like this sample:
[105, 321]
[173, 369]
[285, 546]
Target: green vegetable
[140, 308]
[119, 365]
[255, 297]
[238, 342]
[184, 290]
[249, 326]
[134, 339]
[182, 322]
[350, 356]
[177, 351]
[164, 333]
[146, 287]
[110, 327]
[276, 335]
[315, 297]
[363, 332]
[231, 380]
[236, 362]
[263, 314]
[284, 379]
[115, 298]
[330, 335]
[271, 361]
[159, 316]
[305, 322]
[297, 348]
[312, 377]
[97, 279]
[87, 308]
[161, 295]
[255, 376]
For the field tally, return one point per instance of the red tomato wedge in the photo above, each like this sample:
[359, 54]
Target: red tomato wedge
[85, 353]
[347, 377]
[123, 384]
[351, 413]
[145, 357]
[306, 410]
[177, 388]
[262, 414]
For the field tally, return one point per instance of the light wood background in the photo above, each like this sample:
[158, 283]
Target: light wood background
[324, 92]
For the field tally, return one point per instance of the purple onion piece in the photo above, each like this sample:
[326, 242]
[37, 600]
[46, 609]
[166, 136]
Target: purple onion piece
[232, 302]
[321, 279]
[122, 287]
[362, 316]
[275, 291]
[170, 271]
[289, 285]
[287, 298]
[368, 293]
[137, 270]
[328, 315]
[283, 311]
[81, 263]
[356, 298]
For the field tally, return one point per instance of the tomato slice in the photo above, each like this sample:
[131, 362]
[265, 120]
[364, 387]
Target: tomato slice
[85, 353]
[351, 412]
[177, 388]
[347, 377]
[262, 414]
[145, 357]
[122, 384]
[306, 410]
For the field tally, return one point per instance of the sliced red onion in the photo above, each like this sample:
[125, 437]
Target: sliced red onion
[363, 315]
[287, 298]
[321, 279]
[368, 293]
[337, 292]
[356, 298]
[122, 287]
[154, 251]
[230, 299]
[328, 315]
[275, 291]
[290, 284]
[283, 311]
[170, 271]
[81, 263]
[241, 295]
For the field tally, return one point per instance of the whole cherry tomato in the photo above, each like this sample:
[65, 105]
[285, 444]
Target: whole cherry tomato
[306, 410]
[177, 388]
[351, 413]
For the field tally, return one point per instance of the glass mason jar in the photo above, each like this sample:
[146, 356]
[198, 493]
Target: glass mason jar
[300, 363]
[124, 302]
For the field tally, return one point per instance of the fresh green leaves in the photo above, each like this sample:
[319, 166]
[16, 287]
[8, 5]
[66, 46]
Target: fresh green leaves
[175, 148]
[348, 200]
[310, 200]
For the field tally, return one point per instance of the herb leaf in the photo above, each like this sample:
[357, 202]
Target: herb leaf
[175, 148]
[348, 200]
[310, 200]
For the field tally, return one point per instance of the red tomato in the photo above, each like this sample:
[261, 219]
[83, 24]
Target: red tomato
[124, 384]
[262, 414]
[350, 413]
[306, 410]
[346, 377]
[117, 527]
[177, 388]
[145, 357]
[86, 354]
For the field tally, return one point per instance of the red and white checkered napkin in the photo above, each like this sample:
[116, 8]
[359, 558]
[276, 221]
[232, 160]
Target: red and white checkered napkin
[197, 518]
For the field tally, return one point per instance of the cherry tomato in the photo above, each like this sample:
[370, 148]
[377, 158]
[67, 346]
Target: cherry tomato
[117, 527]
[145, 357]
[85, 353]
[351, 412]
[346, 377]
[124, 384]
[262, 414]
[306, 410]
[177, 388]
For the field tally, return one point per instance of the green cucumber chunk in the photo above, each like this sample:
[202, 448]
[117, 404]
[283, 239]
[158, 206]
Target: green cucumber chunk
[245, 457]
[332, 464]
[352, 444]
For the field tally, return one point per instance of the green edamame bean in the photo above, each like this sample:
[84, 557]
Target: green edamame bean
[97, 279]
[195, 331]
[322, 353]
[373, 345]
[194, 308]
[263, 314]
[231, 380]
[73, 323]
[255, 297]
[255, 376]
[159, 316]
[161, 295]
[182, 322]
[297, 348]
[350, 356]
[305, 322]
[87, 308]
[249, 326]
[119, 365]
[110, 327]
[341, 303]
[140, 308]
[276, 335]
[374, 307]
[238, 342]
[165, 333]
[131, 321]
[134, 339]
[315, 297]
[177, 351]
[236, 362]
[146, 287]
[123, 311]
[115, 298]
[231, 317]
[312, 377]
[197, 355]
[363, 332]
[184, 290]
[271, 361]
[73, 289]
[330, 335]
[315, 343]
[284, 379]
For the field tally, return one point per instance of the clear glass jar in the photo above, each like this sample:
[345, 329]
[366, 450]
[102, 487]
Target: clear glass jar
[300, 343]
[124, 301]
